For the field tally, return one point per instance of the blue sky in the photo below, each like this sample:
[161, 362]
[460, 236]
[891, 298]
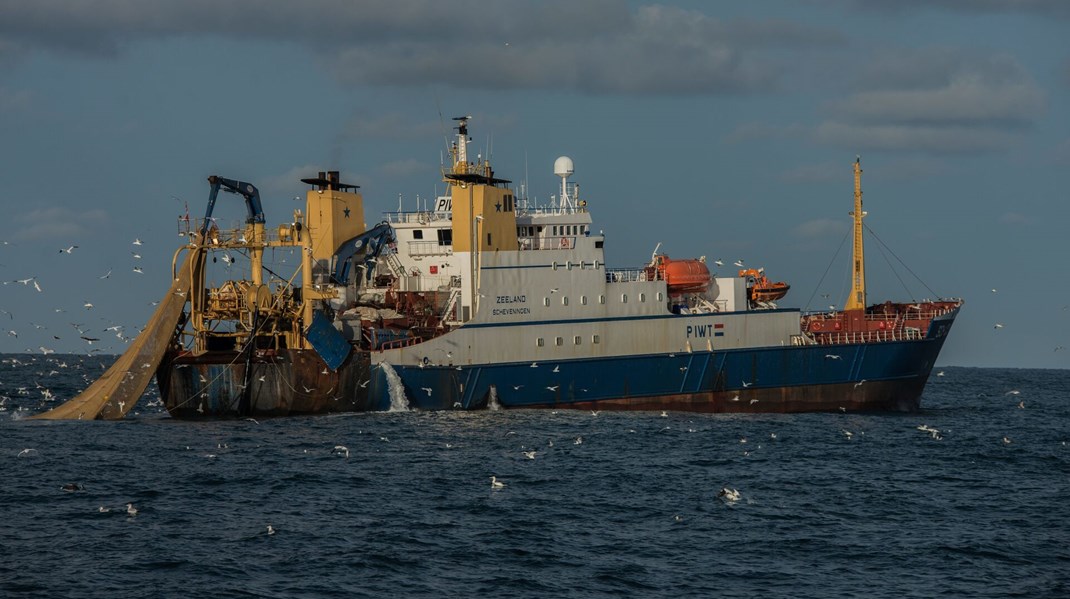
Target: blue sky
[724, 129]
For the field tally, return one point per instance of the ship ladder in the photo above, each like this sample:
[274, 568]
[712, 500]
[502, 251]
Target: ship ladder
[395, 265]
[451, 303]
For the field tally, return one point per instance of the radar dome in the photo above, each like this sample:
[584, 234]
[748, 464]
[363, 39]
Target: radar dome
[563, 167]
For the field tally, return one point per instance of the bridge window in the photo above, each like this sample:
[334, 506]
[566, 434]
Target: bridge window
[417, 233]
[445, 236]
[488, 238]
[559, 341]
[540, 342]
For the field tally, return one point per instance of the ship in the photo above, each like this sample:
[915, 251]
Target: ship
[486, 300]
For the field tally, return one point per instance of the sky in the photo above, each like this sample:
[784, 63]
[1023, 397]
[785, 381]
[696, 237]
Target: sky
[722, 129]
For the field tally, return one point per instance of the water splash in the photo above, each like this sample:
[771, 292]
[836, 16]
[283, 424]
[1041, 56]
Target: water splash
[492, 404]
[398, 401]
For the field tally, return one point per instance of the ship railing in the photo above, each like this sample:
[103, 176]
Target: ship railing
[566, 242]
[422, 217]
[429, 248]
[628, 275]
[843, 338]
[405, 342]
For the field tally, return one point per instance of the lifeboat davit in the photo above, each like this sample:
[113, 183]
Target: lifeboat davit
[764, 290]
[683, 276]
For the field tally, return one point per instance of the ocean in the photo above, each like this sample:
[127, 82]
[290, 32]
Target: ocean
[609, 504]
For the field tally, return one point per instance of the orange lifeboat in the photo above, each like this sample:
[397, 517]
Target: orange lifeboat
[683, 276]
[764, 290]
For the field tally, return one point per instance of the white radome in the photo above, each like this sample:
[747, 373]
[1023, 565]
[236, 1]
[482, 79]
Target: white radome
[563, 166]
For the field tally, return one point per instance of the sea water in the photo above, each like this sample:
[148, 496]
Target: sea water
[830, 504]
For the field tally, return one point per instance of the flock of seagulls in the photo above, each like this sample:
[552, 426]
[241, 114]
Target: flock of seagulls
[86, 305]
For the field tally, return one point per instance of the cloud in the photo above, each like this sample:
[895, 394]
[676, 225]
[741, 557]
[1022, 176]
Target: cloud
[1040, 8]
[820, 228]
[1015, 218]
[934, 139]
[404, 168]
[289, 182]
[936, 101]
[59, 224]
[814, 173]
[593, 46]
[392, 125]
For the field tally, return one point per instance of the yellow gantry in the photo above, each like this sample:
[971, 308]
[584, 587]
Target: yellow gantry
[857, 299]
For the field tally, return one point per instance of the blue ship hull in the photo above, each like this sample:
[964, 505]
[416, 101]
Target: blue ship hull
[874, 376]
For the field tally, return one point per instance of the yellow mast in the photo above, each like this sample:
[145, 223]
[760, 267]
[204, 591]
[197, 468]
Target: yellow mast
[857, 299]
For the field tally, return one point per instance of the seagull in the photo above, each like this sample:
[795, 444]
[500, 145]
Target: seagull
[365, 383]
[341, 449]
[998, 325]
[534, 364]
[832, 357]
[138, 270]
[87, 306]
[106, 275]
[719, 262]
[664, 414]
[517, 387]
[68, 250]
[859, 383]
[941, 373]
[1013, 392]
[270, 530]
[529, 454]
[848, 433]
[738, 263]
[131, 510]
[427, 389]
[746, 384]
[556, 369]
[555, 290]
[1006, 441]
[753, 401]
[496, 484]
[137, 242]
[993, 291]
[36, 286]
[228, 258]
[1021, 404]
[103, 510]
[578, 441]
[553, 388]
[729, 495]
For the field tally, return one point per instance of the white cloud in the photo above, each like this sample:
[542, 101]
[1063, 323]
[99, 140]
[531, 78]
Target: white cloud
[62, 225]
[820, 228]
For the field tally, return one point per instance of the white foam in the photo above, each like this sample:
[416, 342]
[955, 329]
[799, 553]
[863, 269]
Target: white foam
[492, 404]
[398, 401]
